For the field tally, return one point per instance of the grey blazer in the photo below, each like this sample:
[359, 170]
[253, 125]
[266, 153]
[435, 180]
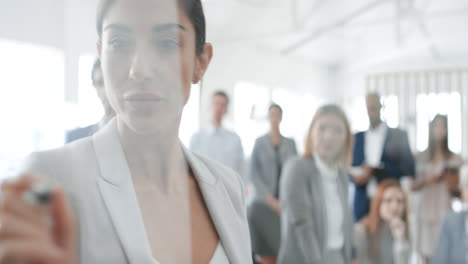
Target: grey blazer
[303, 216]
[387, 251]
[263, 173]
[94, 173]
[452, 242]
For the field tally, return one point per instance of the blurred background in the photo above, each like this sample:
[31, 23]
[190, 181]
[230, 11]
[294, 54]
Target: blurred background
[299, 54]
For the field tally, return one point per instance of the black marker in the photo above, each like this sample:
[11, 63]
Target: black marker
[39, 194]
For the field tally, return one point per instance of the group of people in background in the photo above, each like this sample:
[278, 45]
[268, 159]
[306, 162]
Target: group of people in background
[299, 210]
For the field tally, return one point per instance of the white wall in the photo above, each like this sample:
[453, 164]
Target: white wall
[41, 22]
[64, 24]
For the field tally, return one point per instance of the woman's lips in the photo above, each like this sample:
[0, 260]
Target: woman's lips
[142, 97]
[142, 102]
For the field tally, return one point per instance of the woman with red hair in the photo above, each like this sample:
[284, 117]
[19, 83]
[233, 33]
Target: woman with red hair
[382, 237]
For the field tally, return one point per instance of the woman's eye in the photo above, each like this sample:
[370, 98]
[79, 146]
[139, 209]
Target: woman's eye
[119, 44]
[168, 44]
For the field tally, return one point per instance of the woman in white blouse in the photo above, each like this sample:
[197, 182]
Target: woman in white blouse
[316, 223]
[137, 195]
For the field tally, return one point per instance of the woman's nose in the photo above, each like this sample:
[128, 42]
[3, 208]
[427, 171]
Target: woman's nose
[141, 66]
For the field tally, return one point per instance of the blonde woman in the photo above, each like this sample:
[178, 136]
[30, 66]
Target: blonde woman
[316, 223]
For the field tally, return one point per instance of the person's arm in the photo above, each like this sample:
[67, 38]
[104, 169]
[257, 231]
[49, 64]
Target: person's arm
[293, 145]
[193, 145]
[422, 177]
[364, 178]
[424, 181]
[407, 163]
[360, 245]
[239, 159]
[418, 185]
[260, 187]
[442, 250]
[298, 238]
[33, 233]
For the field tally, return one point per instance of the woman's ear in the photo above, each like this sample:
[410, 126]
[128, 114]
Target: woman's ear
[202, 62]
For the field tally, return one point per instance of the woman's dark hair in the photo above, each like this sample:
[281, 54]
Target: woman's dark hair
[432, 141]
[193, 9]
[221, 93]
[274, 105]
[96, 67]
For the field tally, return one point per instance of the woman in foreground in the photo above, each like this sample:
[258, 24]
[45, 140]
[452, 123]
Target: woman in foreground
[132, 193]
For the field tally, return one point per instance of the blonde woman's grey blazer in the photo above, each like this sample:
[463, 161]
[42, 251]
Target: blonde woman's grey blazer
[303, 216]
[94, 173]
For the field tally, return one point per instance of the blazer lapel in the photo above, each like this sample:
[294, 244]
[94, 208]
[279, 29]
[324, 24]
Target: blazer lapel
[320, 212]
[221, 210]
[269, 150]
[116, 187]
[387, 142]
[347, 220]
[284, 149]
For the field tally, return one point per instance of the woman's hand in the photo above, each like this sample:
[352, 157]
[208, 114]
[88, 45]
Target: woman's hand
[367, 173]
[39, 234]
[432, 178]
[398, 229]
[273, 203]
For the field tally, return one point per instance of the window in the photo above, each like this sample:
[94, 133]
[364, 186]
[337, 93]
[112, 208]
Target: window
[89, 109]
[357, 112]
[251, 113]
[251, 102]
[31, 100]
[390, 110]
[299, 109]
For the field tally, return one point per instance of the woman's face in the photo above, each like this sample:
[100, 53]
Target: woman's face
[149, 62]
[275, 116]
[439, 130]
[329, 137]
[393, 204]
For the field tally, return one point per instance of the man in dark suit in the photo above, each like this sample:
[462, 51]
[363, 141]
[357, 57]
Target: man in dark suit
[98, 83]
[379, 153]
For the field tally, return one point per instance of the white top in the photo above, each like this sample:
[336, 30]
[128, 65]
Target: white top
[335, 216]
[375, 139]
[161, 220]
[221, 145]
[219, 256]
